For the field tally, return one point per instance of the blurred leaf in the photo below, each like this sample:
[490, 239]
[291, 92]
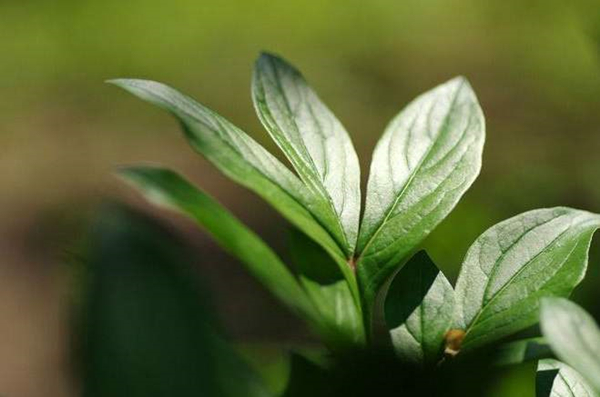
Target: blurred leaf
[426, 159]
[574, 337]
[307, 379]
[342, 323]
[314, 141]
[241, 158]
[146, 329]
[167, 189]
[419, 308]
[521, 351]
[515, 263]
[555, 379]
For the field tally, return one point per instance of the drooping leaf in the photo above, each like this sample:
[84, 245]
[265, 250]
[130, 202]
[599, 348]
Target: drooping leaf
[426, 159]
[574, 337]
[521, 351]
[167, 189]
[243, 160]
[419, 309]
[515, 263]
[342, 323]
[313, 140]
[556, 379]
[146, 326]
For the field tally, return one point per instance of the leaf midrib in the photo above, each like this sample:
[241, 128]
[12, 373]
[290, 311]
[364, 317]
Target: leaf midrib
[414, 173]
[306, 158]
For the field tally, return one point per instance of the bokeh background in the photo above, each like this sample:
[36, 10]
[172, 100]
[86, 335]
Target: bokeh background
[535, 66]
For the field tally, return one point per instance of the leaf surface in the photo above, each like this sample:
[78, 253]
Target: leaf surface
[515, 263]
[419, 309]
[342, 323]
[556, 379]
[426, 159]
[167, 189]
[574, 336]
[243, 160]
[313, 140]
[521, 351]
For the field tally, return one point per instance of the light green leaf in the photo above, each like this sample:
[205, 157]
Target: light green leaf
[556, 379]
[313, 140]
[419, 309]
[426, 159]
[574, 336]
[515, 263]
[342, 323]
[167, 189]
[521, 351]
[242, 159]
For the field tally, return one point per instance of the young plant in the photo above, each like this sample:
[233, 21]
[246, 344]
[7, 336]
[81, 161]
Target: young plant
[427, 158]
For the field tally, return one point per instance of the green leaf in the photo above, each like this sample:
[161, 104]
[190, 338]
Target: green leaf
[515, 263]
[167, 189]
[555, 379]
[426, 159]
[342, 324]
[522, 351]
[419, 309]
[243, 160]
[574, 336]
[313, 140]
[146, 325]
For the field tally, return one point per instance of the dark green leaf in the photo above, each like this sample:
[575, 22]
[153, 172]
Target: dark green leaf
[419, 309]
[515, 263]
[242, 159]
[313, 140]
[521, 351]
[147, 330]
[574, 337]
[167, 189]
[342, 324]
[555, 379]
[426, 159]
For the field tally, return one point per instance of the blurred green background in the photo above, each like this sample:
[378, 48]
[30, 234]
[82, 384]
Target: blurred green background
[535, 66]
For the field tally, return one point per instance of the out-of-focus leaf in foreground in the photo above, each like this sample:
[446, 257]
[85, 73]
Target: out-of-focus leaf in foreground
[146, 329]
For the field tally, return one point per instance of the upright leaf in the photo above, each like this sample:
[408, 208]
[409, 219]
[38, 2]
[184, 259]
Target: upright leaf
[313, 140]
[426, 159]
[167, 189]
[419, 308]
[515, 263]
[342, 323]
[555, 379]
[574, 336]
[242, 159]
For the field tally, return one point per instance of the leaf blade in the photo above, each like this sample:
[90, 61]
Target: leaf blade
[419, 310]
[556, 379]
[167, 189]
[342, 324]
[515, 263]
[429, 155]
[313, 140]
[240, 158]
[574, 336]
